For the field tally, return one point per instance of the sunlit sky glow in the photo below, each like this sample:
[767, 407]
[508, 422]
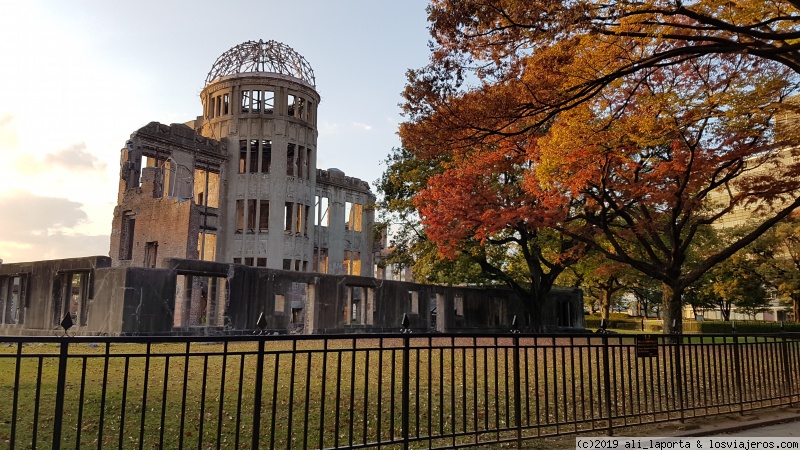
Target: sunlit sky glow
[79, 77]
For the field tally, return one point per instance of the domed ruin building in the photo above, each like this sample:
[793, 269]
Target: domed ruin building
[240, 183]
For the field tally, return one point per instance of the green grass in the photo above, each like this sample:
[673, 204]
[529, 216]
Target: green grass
[463, 388]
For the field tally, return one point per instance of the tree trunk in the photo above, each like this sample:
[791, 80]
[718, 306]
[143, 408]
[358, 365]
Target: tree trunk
[605, 305]
[796, 308]
[725, 310]
[672, 302]
[533, 309]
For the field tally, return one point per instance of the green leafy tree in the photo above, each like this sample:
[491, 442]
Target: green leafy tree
[603, 282]
[410, 247]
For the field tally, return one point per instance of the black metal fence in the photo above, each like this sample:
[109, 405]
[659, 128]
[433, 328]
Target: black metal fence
[376, 391]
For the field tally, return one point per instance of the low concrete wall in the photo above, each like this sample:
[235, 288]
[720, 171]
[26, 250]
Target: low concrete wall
[215, 297]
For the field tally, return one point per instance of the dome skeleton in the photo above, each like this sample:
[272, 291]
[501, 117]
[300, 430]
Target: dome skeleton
[269, 56]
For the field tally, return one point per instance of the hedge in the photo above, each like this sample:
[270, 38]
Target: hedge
[714, 326]
[745, 327]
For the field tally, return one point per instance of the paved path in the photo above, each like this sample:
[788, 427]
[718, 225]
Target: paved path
[788, 429]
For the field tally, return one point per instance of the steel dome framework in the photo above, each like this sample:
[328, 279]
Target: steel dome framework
[261, 56]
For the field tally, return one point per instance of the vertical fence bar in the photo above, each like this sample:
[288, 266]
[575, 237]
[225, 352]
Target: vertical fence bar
[101, 422]
[517, 393]
[607, 385]
[406, 394]
[203, 386]
[164, 403]
[324, 391]
[787, 374]
[183, 396]
[15, 402]
[678, 361]
[257, 393]
[79, 428]
[58, 418]
[144, 395]
[737, 370]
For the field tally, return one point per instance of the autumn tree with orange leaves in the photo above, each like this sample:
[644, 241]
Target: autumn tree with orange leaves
[662, 158]
[478, 208]
[633, 126]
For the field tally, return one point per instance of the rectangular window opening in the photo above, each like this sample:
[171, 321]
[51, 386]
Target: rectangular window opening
[291, 163]
[322, 217]
[239, 216]
[301, 108]
[14, 290]
[242, 155]
[261, 262]
[354, 213]
[254, 152]
[266, 155]
[263, 216]
[245, 102]
[279, 303]
[287, 264]
[212, 188]
[255, 107]
[291, 103]
[288, 216]
[251, 217]
[207, 246]
[356, 269]
[320, 260]
[301, 162]
[269, 102]
[225, 104]
[305, 220]
[126, 236]
[299, 218]
[307, 167]
[458, 304]
[248, 262]
[346, 263]
[151, 253]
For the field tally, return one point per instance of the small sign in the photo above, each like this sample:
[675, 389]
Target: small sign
[646, 346]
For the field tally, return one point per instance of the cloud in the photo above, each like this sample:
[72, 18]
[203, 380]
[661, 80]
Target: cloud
[34, 228]
[362, 126]
[72, 158]
[24, 215]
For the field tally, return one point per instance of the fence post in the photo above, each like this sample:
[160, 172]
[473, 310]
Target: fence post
[517, 391]
[787, 376]
[737, 367]
[60, 387]
[678, 362]
[262, 325]
[406, 329]
[406, 393]
[607, 379]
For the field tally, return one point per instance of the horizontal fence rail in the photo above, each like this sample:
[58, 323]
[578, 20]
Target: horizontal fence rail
[387, 391]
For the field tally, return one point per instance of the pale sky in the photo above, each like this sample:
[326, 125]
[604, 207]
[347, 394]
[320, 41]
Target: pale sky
[79, 77]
